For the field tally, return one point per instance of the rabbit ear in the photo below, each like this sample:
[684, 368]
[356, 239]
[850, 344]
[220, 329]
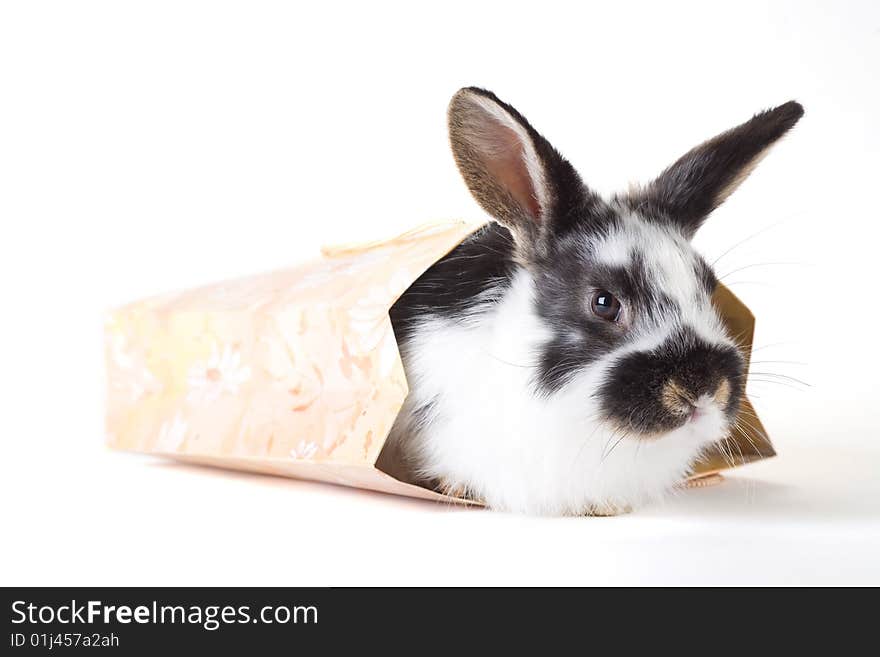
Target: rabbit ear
[512, 171]
[705, 176]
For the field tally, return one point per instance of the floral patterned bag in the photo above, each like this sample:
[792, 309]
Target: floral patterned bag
[295, 372]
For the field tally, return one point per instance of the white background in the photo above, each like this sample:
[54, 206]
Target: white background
[152, 146]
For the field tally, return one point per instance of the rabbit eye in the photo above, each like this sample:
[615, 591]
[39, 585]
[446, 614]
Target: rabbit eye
[605, 305]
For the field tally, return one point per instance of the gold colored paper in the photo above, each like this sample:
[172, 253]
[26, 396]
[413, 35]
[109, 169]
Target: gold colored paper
[296, 372]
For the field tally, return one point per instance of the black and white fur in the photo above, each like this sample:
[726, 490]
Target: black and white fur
[521, 396]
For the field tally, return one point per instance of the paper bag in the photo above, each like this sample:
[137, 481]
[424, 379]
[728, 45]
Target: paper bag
[296, 372]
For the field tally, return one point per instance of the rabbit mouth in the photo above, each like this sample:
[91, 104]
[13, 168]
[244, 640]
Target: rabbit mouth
[702, 423]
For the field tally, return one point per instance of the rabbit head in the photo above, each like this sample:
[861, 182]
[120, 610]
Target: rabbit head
[627, 298]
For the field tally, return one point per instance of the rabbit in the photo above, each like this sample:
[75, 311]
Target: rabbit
[566, 358]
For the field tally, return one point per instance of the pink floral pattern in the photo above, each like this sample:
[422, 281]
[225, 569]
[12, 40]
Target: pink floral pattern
[294, 372]
[222, 373]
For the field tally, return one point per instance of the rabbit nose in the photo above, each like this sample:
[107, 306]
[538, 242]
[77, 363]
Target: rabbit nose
[680, 401]
[722, 393]
[677, 399]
